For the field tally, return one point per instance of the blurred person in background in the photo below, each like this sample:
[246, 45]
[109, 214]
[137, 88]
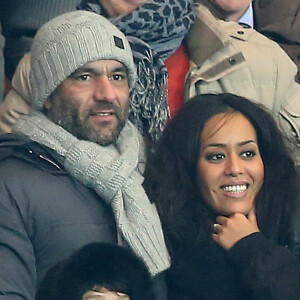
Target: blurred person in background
[231, 57]
[98, 271]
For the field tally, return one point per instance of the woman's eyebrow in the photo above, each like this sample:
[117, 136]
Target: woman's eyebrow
[215, 145]
[246, 142]
[220, 145]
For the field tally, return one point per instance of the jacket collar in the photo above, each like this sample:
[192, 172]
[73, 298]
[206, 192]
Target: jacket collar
[19, 146]
[212, 31]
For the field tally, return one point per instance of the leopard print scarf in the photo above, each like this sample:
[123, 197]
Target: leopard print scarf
[162, 24]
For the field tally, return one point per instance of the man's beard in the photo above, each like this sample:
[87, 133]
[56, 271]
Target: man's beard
[67, 116]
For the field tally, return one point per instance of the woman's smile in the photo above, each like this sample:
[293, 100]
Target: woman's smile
[230, 168]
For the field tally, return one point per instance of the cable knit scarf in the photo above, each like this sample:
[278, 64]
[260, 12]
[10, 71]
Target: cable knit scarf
[155, 30]
[113, 172]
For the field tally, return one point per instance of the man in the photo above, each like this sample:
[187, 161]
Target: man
[70, 175]
[275, 19]
[159, 55]
[280, 21]
[233, 9]
[231, 57]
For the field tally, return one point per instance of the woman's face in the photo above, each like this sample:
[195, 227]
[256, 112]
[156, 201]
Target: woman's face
[230, 168]
[121, 7]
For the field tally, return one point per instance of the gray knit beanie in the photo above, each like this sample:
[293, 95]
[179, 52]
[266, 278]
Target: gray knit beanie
[67, 43]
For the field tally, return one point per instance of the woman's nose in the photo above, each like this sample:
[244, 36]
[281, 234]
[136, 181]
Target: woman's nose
[234, 166]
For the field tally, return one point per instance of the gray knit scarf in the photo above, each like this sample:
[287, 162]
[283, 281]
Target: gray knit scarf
[113, 172]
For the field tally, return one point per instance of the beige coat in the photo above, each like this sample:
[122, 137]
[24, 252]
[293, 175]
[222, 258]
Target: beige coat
[227, 57]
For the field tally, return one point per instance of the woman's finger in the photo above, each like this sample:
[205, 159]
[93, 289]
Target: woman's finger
[252, 217]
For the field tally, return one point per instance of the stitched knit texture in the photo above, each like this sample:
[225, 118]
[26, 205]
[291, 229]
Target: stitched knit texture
[67, 43]
[114, 173]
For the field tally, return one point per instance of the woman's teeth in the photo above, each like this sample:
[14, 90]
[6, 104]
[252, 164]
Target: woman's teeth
[235, 188]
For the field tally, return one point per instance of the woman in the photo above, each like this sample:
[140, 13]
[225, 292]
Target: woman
[225, 186]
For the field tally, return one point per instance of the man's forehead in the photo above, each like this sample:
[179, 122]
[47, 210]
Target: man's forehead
[107, 63]
[102, 66]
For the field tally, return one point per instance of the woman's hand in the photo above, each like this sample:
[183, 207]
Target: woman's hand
[229, 230]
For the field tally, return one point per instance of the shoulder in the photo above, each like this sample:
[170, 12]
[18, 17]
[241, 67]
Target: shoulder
[294, 229]
[211, 37]
[243, 34]
[25, 167]
[18, 152]
[34, 186]
[269, 14]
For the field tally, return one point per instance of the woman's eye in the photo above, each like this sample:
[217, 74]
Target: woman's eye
[215, 156]
[248, 154]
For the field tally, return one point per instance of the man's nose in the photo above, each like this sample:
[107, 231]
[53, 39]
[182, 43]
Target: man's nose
[234, 166]
[104, 90]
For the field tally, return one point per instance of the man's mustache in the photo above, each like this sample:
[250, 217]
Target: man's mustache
[104, 105]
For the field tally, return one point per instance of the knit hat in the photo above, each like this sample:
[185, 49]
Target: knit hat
[67, 43]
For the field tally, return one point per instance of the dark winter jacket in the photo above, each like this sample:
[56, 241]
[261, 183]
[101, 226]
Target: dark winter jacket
[44, 216]
[253, 269]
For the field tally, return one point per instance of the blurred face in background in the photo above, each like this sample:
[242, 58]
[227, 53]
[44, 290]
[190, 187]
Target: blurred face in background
[121, 7]
[104, 294]
[231, 9]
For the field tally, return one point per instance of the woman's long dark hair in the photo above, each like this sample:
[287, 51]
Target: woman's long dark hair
[171, 171]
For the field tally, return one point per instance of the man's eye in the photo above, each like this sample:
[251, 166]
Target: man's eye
[117, 77]
[215, 156]
[248, 154]
[83, 77]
